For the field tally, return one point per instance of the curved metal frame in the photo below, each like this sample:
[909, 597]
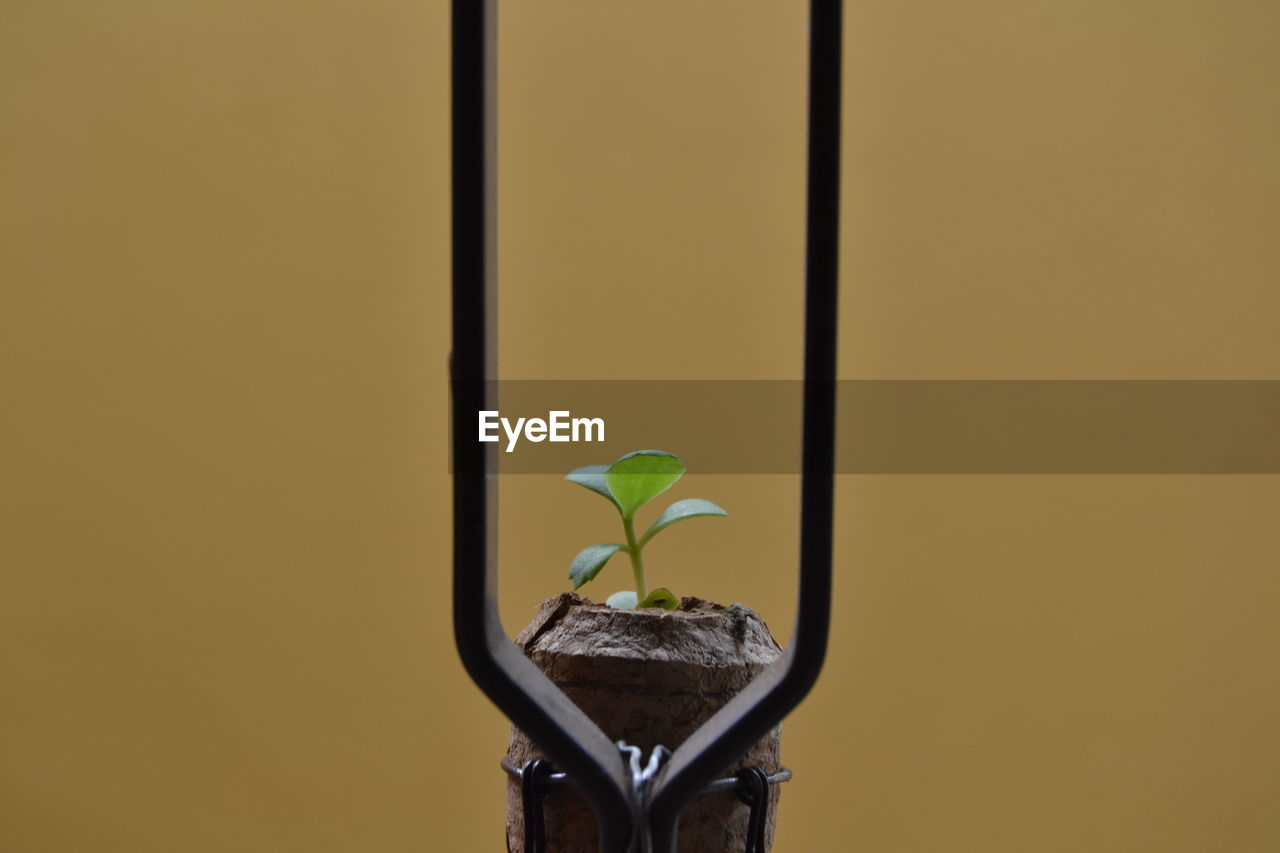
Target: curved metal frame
[567, 736]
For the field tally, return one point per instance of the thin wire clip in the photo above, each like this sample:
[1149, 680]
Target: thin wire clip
[535, 778]
[751, 784]
[753, 789]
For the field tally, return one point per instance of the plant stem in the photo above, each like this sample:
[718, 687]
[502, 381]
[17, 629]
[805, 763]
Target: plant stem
[637, 562]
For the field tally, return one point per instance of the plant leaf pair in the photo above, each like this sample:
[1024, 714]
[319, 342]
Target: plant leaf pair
[660, 597]
[633, 480]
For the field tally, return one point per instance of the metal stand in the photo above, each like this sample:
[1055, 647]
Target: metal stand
[751, 784]
[630, 818]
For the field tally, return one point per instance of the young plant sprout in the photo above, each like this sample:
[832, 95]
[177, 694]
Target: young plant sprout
[629, 483]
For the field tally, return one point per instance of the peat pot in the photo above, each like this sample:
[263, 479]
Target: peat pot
[648, 677]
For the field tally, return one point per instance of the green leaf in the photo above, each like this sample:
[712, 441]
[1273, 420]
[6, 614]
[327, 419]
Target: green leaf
[592, 477]
[679, 511]
[590, 561]
[660, 597]
[625, 600]
[638, 477]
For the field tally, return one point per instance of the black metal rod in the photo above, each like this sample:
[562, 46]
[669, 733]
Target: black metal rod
[753, 712]
[567, 736]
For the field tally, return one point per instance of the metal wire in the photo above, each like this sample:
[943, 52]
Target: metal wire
[728, 783]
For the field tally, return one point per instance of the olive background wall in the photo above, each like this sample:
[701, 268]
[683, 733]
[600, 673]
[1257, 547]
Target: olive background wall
[224, 619]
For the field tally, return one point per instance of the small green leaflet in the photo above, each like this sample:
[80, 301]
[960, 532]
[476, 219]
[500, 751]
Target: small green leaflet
[625, 600]
[638, 477]
[592, 477]
[590, 561]
[660, 597]
[679, 511]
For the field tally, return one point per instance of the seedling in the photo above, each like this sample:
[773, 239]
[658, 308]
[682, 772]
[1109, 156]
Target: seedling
[629, 483]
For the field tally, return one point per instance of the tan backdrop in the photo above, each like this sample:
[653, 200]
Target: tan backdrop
[224, 623]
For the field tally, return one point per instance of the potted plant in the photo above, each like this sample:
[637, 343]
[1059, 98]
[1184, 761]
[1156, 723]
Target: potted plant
[646, 666]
